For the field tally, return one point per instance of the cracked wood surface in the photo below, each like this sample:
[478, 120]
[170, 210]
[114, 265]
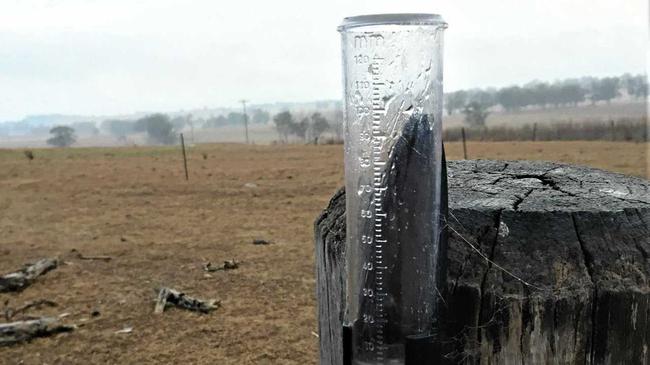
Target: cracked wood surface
[580, 238]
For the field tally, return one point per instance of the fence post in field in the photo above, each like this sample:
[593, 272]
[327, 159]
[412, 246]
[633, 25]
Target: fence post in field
[534, 132]
[462, 131]
[184, 157]
[612, 130]
[243, 102]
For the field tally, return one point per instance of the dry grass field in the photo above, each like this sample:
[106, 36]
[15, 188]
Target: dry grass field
[134, 205]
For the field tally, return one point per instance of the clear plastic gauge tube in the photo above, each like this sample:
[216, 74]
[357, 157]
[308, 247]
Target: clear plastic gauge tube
[392, 67]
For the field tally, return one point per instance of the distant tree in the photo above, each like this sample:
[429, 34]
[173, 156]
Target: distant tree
[235, 118]
[300, 129]
[319, 124]
[180, 122]
[455, 101]
[260, 116]
[605, 89]
[283, 124]
[486, 97]
[62, 136]
[641, 90]
[637, 86]
[527, 97]
[585, 82]
[572, 94]
[118, 128]
[475, 114]
[555, 95]
[511, 98]
[541, 93]
[158, 127]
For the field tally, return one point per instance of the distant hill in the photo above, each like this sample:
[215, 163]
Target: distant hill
[48, 120]
[44, 121]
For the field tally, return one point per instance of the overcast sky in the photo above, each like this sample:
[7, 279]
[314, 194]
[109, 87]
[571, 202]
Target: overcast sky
[107, 57]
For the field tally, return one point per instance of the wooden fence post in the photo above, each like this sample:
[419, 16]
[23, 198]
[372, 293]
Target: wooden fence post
[547, 264]
[462, 131]
[184, 157]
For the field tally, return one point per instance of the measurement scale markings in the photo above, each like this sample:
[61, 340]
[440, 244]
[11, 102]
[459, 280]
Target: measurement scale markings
[377, 163]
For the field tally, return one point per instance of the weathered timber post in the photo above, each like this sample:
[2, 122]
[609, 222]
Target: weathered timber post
[534, 137]
[566, 279]
[187, 177]
[462, 131]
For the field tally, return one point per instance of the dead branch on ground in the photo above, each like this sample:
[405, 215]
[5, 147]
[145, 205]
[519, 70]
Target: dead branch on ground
[11, 312]
[167, 296]
[227, 265]
[14, 332]
[19, 280]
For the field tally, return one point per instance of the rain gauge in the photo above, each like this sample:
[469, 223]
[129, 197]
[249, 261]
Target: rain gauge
[394, 171]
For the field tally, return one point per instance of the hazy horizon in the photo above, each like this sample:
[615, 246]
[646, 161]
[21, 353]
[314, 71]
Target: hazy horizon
[108, 58]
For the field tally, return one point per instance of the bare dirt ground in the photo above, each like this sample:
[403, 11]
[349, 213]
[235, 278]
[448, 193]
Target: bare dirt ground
[135, 205]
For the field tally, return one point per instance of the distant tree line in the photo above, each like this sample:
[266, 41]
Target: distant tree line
[257, 116]
[475, 103]
[309, 128]
[163, 129]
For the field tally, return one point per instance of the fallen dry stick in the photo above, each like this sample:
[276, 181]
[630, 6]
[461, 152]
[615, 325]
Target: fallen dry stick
[10, 312]
[179, 299]
[227, 265]
[124, 330]
[21, 279]
[80, 256]
[15, 332]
